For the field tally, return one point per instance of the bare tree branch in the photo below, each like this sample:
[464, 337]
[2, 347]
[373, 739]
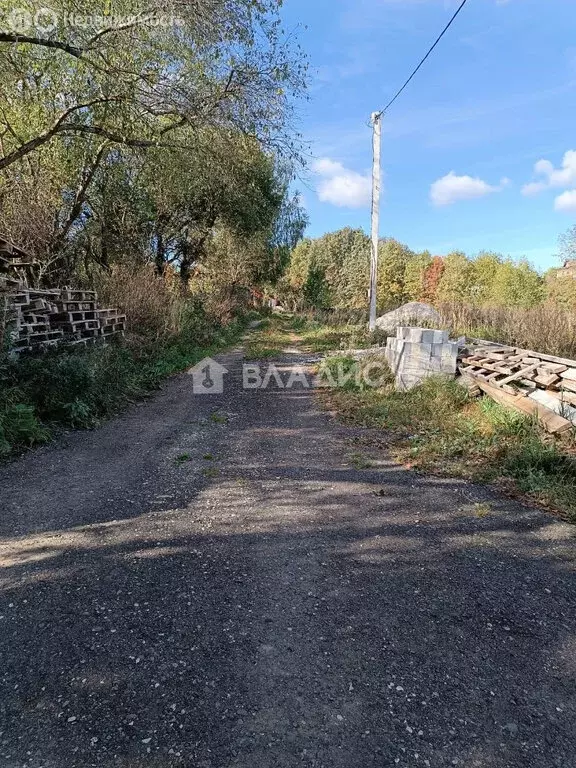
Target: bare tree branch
[43, 138]
[80, 196]
[141, 19]
[6, 37]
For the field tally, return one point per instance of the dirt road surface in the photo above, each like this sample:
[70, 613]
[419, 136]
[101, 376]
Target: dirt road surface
[214, 581]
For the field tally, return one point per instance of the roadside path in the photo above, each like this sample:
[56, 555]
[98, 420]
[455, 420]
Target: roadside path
[210, 581]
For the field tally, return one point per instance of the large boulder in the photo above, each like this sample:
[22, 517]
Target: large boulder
[414, 313]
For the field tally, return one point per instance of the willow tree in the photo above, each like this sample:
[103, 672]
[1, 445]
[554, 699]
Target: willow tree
[138, 77]
[86, 95]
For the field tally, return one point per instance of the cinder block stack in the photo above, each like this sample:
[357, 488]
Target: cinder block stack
[416, 353]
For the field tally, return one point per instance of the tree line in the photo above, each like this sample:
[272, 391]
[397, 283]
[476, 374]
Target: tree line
[332, 272]
[158, 135]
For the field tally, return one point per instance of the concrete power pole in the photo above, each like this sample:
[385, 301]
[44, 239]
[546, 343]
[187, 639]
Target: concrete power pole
[376, 132]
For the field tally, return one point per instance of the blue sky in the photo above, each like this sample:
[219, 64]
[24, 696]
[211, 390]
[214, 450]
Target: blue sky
[460, 146]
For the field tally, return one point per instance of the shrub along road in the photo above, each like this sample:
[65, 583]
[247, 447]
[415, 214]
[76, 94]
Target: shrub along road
[237, 580]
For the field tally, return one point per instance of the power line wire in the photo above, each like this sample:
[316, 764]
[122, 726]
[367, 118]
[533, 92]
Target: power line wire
[446, 28]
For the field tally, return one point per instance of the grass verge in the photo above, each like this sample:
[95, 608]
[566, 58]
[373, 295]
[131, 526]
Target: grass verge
[309, 334]
[81, 388]
[437, 428]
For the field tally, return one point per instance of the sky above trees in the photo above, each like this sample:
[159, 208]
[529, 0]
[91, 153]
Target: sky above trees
[478, 153]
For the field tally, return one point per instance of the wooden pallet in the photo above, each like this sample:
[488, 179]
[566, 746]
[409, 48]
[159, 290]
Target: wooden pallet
[84, 341]
[33, 328]
[113, 320]
[43, 336]
[73, 317]
[10, 283]
[551, 421]
[77, 325]
[73, 295]
[518, 375]
[110, 330]
[76, 306]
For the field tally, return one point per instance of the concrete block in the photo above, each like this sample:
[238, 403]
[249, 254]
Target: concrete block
[428, 337]
[421, 335]
[417, 351]
[406, 381]
[435, 337]
[435, 365]
[420, 352]
[410, 334]
[391, 350]
[445, 348]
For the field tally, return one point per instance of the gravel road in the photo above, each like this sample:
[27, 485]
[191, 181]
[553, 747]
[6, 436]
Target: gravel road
[213, 581]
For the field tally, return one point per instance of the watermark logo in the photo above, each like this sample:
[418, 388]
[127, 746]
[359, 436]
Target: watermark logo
[256, 377]
[46, 20]
[208, 377]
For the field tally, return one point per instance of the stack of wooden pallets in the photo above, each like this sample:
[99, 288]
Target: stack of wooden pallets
[14, 261]
[36, 319]
[76, 316]
[111, 322]
[43, 318]
[531, 382]
[32, 313]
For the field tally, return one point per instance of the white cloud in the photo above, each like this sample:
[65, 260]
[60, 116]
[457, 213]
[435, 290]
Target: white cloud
[529, 190]
[553, 177]
[451, 188]
[341, 186]
[566, 202]
[324, 166]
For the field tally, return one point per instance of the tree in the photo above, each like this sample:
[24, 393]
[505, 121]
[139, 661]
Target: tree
[567, 243]
[316, 291]
[354, 274]
[230, 267]
[141, 82]
[415, 276]
[343, 257]
[134, 140]
[457, 281]
[299, 266]
[288, 229]
[432, 278]
[517, 285]
[485, 268]
[560, 291]
[393, 259]
[227, 181]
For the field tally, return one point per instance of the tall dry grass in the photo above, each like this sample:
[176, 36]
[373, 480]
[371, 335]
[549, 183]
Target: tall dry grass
[546, 328]
[155, 305]
[3, 317]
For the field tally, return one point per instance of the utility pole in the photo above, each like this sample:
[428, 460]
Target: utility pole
[376, 132]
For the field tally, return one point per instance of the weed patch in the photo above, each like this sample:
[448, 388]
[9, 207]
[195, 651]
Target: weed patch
[81, 388]
[436, 427]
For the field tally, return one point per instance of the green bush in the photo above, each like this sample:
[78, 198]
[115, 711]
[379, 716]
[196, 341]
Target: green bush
[437, 427]
[80, 387]
[20, 426]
